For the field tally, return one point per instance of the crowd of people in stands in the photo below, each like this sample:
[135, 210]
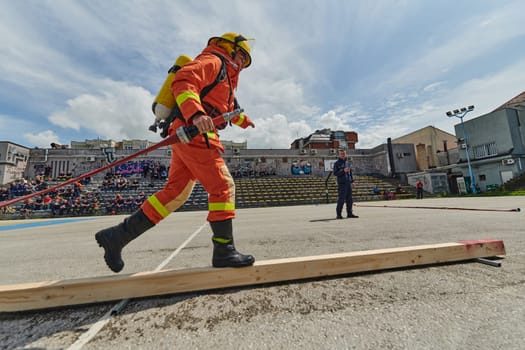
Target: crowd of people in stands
[117, 182]
[125, 204]
[388, 194]
[154, 170]
[68, 200]
[124, 180]
[74, 199]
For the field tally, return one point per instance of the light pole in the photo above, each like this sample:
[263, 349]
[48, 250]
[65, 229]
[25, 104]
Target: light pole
[460, 113]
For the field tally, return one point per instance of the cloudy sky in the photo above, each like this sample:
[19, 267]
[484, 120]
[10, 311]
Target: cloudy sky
[76, 70]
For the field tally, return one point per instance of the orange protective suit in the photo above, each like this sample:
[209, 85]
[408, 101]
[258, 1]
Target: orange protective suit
[195, 161]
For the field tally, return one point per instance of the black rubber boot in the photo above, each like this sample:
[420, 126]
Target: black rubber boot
[224, 252]
[113, 239]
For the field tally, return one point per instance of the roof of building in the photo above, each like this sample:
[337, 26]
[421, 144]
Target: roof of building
[516, 101]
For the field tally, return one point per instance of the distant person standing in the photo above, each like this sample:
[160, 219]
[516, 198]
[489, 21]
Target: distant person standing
[345, 180]
[419, 188]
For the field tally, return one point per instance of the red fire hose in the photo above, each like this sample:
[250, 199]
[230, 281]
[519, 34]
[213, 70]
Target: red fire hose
[442, 208]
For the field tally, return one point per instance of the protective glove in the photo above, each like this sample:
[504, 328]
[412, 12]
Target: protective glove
[243, 121]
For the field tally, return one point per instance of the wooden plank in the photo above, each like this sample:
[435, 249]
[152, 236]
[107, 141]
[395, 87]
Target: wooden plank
[41, 295]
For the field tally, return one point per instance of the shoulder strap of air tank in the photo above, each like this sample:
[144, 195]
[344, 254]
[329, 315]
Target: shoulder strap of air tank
[220, 77]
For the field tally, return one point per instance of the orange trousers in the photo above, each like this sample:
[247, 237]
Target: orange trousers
[188, 164]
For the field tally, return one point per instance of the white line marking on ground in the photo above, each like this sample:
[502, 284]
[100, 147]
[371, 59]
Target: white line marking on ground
[97, 326]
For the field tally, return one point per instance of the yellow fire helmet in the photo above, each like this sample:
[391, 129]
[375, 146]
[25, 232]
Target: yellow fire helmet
[239, 42]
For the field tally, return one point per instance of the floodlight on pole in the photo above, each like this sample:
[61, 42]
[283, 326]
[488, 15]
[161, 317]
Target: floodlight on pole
[460, 113]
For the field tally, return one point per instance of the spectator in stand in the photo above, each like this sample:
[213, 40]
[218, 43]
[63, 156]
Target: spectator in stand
[42, 185]
[117, 205]
[77, 188]
[135, 184]
[37, 205]
[12, 190]
[138, 202]
[141, 197]
[27, 208]
[46, 202]
[129, 204]
[16, 189]
[121, 183]
[55, 205]
[155, 174]
[145, 170]
[86, 181]
[95, 206]
[65, 207]
[163, 174]
[75, 206]
[85, 205]
[399, 189]
[4, 193]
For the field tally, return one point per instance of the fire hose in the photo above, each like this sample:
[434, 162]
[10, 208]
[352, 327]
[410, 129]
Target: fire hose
[440, 208]
[183, 134]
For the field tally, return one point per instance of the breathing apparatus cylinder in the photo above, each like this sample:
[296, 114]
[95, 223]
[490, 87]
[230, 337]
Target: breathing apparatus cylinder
[164, 102]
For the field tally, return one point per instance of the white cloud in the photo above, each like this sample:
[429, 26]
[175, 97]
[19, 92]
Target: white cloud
[469, 40]
[42, 139]
[332, 120]
[275, 132]
[118, 111]
[432, 86]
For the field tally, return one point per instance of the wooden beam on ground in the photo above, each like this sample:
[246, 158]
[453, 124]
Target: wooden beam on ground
[42, 295]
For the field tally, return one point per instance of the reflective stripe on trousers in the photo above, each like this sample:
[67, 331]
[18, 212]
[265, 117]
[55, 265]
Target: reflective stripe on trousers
[189, 164]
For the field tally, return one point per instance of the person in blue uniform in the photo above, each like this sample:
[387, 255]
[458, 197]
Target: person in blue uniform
[345, 180]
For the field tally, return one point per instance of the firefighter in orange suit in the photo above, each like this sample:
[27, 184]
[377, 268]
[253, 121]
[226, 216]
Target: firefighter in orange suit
[200, 159]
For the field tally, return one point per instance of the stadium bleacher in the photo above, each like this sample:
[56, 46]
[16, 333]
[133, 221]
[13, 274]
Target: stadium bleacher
[251, 192]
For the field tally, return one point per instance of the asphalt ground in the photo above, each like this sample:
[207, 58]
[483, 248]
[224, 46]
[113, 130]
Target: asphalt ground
[465, 305]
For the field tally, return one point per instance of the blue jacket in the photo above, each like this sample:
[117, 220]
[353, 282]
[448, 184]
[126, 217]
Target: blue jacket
[339, 171]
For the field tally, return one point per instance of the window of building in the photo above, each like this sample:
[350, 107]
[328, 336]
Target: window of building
[485, 150]
[339, 135]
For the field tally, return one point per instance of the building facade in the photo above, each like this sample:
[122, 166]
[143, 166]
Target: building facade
[496, 146]
[327, 139]
[73, 161]
[429, 142]
[13, 161]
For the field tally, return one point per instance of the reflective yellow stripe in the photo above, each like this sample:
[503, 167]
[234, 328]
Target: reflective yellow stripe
[181, 98]
[240, 120]
[157, 205]
[212, 135]
[221, 206]
[221, 240]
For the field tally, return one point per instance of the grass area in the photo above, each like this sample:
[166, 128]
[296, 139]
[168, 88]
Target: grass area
[520, 192]
[496, 193]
